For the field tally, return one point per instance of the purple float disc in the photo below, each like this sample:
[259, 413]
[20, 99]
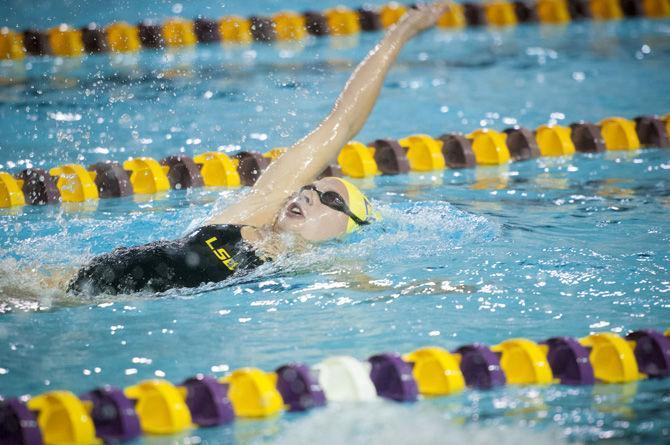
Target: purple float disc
[207, 399]
[393, 377]
[298, 387]
[113, 414]
[652, 352]
[480, 366]
[569, 361]
[18, 425]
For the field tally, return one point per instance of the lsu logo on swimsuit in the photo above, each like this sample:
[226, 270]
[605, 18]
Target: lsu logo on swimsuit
[221, 254]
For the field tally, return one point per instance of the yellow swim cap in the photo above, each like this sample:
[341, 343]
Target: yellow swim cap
[359, 205]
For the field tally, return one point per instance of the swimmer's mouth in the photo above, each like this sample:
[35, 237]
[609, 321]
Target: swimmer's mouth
[294, 211]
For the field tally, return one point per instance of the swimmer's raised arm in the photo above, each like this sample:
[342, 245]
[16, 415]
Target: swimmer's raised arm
[307, 158]
[312, 154]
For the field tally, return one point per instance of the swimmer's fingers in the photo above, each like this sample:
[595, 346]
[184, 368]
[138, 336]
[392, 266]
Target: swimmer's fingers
[425, 15]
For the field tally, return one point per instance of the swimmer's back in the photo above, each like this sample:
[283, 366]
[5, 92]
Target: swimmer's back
[209, 254]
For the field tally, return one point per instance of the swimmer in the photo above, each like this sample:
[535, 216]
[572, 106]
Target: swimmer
[286, 207]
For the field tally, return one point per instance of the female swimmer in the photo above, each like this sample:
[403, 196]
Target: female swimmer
[286, 199]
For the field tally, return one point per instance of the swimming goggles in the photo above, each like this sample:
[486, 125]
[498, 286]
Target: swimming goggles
[336, 202]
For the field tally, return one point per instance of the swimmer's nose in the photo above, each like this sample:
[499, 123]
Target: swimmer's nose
[308, 196]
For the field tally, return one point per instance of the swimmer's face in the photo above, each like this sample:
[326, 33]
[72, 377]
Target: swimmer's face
[304, 214]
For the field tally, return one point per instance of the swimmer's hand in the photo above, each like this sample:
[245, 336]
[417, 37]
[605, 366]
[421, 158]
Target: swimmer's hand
[423, 16]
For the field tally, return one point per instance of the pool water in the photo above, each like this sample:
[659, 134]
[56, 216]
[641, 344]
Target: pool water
[562, 246]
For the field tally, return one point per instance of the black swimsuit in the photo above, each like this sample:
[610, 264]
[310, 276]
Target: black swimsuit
[208, 254]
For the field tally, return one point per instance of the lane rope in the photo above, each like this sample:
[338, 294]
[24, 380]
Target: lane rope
[157, 406]
[120, 37]
[415, 153]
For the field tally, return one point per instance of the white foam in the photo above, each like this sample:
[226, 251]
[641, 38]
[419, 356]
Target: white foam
[390, 423]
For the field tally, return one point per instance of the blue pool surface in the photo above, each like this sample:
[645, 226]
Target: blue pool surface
[560, 246]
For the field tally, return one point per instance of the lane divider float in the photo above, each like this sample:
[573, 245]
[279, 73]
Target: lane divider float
[414, 153]
[158, 407]
[177, 32]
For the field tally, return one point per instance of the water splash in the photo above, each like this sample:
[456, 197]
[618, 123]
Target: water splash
[396, 424]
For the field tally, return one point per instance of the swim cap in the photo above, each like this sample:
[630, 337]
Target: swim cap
[359, 205]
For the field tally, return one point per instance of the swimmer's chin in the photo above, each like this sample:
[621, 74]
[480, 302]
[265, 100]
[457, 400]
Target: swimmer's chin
[275, 241]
